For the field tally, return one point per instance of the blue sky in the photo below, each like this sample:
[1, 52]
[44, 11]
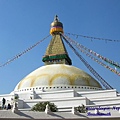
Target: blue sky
[25, 22]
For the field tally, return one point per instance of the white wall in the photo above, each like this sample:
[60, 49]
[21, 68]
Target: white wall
[61, 102]
[98, 94]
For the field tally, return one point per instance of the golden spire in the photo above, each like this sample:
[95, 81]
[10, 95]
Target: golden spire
[56, 52]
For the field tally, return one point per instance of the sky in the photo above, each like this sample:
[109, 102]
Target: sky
[25, 22]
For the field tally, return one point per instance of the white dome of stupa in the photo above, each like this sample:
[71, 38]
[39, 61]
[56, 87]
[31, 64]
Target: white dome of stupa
[57, 75]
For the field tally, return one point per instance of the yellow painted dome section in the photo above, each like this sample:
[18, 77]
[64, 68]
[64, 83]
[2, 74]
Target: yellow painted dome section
[57, 75]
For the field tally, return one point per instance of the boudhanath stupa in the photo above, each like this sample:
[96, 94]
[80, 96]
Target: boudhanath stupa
[62, 84]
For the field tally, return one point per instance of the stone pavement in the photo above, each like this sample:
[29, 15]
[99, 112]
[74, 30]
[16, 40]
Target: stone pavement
[30, 115]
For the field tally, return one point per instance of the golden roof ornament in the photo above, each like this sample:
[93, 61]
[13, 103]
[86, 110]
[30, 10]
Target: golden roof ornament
[56, 26]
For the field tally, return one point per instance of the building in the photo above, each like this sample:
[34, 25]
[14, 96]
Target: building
[62, 84]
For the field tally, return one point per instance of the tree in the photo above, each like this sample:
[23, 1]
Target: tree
[42, 105]
[81, 109]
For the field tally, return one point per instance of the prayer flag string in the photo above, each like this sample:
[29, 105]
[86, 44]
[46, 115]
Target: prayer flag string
[86, 51]
[22, 53]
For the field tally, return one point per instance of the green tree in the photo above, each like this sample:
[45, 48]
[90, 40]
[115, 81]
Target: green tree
[42, 105]
[81, 109]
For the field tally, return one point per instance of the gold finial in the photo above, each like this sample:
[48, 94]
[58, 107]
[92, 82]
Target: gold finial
[56, 26]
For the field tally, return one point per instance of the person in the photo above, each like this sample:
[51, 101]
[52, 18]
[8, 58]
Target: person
[3, 103]
[9, 106]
